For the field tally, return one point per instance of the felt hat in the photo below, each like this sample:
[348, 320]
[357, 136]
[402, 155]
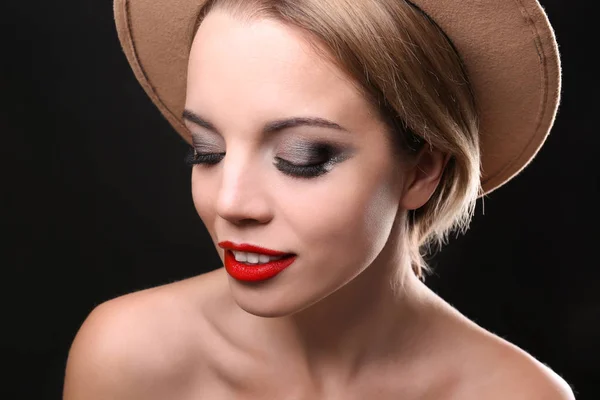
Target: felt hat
[508, 48]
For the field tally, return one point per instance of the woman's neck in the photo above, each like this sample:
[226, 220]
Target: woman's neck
[366, 321]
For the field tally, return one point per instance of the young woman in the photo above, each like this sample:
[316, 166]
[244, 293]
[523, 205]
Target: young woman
[332, 141]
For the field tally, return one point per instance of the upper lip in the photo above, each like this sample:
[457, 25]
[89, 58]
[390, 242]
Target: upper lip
[251, 248]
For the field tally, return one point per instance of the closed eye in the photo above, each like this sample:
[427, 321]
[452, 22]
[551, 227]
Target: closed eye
[307, 171]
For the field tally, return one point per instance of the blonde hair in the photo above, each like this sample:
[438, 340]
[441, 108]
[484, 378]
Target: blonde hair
[410, 72]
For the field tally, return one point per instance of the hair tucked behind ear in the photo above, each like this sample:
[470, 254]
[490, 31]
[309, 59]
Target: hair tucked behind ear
[410, 72]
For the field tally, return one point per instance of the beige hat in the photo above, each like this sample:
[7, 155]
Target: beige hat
[508, 47]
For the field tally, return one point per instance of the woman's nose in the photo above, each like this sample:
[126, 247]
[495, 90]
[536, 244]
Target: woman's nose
[242, 196]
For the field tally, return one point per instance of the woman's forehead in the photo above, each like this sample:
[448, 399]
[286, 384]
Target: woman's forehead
[265, 69]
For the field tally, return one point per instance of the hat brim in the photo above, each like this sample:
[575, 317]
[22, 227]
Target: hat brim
[508, 48]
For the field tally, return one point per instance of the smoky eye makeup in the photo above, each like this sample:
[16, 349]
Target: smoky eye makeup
[301, 158]
[307, 159]
[203, 152]
[307, 153]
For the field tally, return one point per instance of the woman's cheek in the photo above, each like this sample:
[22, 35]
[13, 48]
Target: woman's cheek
[331, 219]
[204, 201]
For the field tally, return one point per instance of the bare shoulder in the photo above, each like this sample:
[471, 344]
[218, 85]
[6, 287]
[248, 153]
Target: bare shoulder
[500, 370]
[476, 364]
[512, 373]
[143, 345]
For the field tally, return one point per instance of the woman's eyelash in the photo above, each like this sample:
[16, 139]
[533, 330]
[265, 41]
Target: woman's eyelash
[288, 168]
[194, 158]
[303, 171]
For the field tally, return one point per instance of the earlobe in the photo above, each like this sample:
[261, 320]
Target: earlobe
[424, 177]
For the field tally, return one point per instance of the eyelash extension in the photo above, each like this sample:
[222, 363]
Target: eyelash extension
[302, 171]
[299, 171]
[193, 158]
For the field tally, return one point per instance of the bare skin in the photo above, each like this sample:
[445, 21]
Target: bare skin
[189, 340]
[330, 326]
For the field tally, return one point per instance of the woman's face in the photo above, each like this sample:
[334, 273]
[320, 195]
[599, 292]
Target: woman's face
[255, 85]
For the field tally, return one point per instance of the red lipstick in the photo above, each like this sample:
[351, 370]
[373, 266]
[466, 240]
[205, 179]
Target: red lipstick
[254, 272]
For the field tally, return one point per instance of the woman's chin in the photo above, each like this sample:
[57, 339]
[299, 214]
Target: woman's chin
[262, 302]
[266, 309]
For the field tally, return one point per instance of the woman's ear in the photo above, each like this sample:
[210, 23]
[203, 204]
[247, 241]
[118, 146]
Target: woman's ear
[423, 177]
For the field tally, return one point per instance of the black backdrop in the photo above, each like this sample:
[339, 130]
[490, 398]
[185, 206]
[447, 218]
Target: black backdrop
[96, 203]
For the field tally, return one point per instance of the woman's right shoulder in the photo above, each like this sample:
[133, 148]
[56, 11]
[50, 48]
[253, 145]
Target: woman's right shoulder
[141, 345]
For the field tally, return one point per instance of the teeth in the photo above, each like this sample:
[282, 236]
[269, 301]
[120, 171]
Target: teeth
[253, 258]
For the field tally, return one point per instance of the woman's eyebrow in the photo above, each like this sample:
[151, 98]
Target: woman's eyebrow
[286, 123]
[273, 126]
[198, 120]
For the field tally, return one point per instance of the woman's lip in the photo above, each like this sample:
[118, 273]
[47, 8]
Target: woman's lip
[251, 249]
[255, 272]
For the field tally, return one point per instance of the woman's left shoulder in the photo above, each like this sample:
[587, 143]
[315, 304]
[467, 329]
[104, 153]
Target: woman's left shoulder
[486, 366]
[505, 371]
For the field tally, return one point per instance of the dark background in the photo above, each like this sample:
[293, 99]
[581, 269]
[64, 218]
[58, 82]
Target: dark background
[96, 203]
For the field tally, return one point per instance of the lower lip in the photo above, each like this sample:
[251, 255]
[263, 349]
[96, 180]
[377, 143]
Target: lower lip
[257, 272]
